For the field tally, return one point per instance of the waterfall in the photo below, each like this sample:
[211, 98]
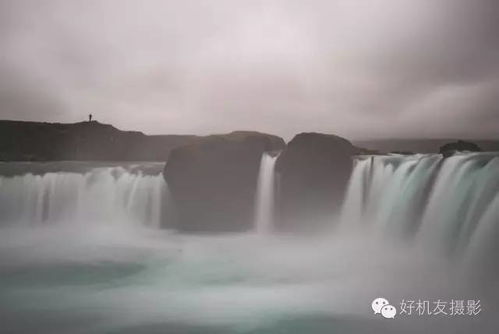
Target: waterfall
[110, 195]
[441, 202]
[264, 209]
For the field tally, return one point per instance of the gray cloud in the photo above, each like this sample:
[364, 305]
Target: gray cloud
[380, 68]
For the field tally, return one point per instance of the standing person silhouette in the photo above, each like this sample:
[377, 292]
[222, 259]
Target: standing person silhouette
[90, 117]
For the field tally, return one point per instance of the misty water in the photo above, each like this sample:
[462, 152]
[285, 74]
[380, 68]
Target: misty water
[82, 252]
[265, 194]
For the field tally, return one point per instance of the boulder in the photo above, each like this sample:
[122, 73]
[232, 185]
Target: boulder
[213, 181]
[449, 149]
[312, 175]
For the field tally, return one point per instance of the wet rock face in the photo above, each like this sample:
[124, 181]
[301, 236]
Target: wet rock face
[213, 182]
[449, 149]
[312, 173]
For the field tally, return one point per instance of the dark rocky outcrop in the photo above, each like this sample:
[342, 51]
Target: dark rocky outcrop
[403, 152]
[312, 172]
[420, 145]
[449, 149]
[213, 181]
[34, 141]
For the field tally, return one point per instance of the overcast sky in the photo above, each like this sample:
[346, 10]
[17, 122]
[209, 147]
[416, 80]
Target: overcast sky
[357, 68]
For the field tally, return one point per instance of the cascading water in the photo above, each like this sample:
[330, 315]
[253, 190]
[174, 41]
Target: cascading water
[110, 279]
[101, 195]
[439, 201]
[264, 209]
